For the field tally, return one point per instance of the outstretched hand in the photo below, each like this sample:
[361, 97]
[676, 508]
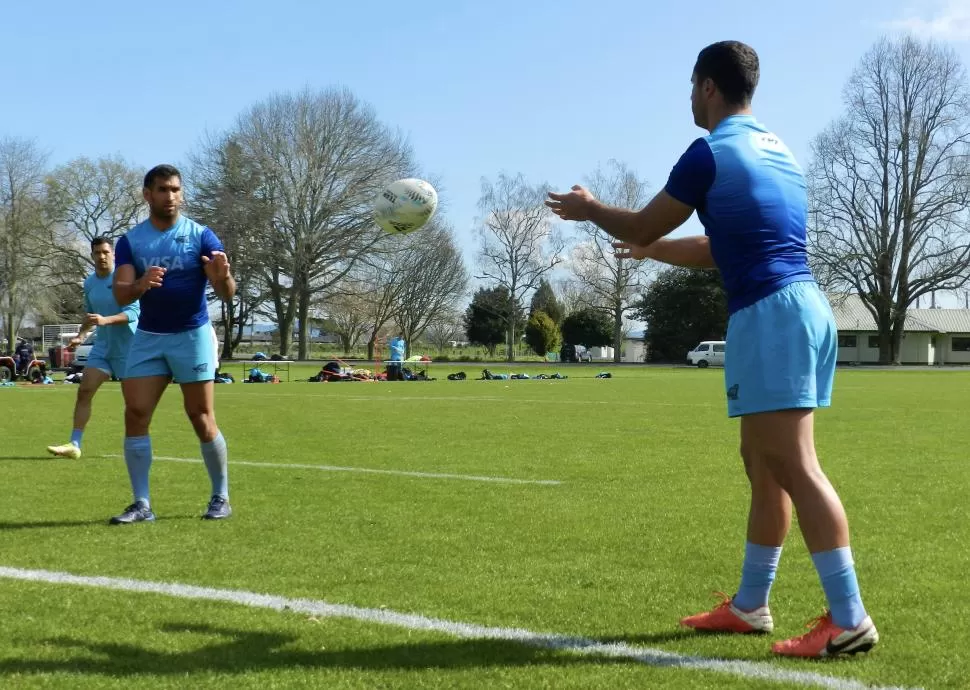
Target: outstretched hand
[573, 205]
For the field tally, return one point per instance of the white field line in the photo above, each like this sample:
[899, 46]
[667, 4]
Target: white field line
[364, 470]
[508, 399]
[576, 645]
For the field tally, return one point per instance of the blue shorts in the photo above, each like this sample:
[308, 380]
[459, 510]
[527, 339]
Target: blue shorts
[781, 352]
[110, 365]
[186, 357]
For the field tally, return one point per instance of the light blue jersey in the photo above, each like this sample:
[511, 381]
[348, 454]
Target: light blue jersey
[179, 305]
[111, 343]
[750, 195]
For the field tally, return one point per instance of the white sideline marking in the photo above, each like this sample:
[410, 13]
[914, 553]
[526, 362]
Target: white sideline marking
[409, 621]
[366, 470]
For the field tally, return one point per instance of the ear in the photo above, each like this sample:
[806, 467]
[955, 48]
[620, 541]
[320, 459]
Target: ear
[146, 193]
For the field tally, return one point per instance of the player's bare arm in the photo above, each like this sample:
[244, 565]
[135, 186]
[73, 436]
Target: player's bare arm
[127, 288]
[92, 321]
[691, 252]
[219, 275]
[660, 217]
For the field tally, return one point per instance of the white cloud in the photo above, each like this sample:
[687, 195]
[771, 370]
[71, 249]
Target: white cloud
[949, 21]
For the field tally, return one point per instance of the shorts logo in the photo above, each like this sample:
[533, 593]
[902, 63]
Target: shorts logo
[732, 392]
[201, 368]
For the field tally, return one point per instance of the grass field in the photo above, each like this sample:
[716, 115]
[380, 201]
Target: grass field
[646, 519]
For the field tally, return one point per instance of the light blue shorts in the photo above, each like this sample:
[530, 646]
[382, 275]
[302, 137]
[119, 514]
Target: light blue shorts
[110, 365]
[186, 357]
[781, 352]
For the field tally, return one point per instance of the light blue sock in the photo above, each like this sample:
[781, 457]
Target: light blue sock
[757, 576]
[138, 458]
[76, 437]
[837, 572]
[216, 458]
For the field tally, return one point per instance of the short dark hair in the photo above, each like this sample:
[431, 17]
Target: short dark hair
[161, 172]
[101, 239]
[733, 67]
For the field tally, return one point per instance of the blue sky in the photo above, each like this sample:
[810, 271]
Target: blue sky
[548, 89]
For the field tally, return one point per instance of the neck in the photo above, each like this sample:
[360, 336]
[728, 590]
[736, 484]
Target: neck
[103, 273]
[163, 223]
[718, 116]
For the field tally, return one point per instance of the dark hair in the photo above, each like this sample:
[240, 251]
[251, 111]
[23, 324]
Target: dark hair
[733, 67]
[161, 172]
[101, 239]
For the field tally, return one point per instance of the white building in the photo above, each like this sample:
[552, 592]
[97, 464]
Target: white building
[634, 348]
[930, 336]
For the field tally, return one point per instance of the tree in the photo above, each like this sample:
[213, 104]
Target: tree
[227, 193]
[447, 327]
[890, 184]
[488, 316]
[682, 307]
[323, 157]
[518, 244]
[588, 327]
[542, 334]
[573, 295]
[433, 279]
[544, 300]
[613, 284]
[85, 199]
[22, 222]
[348, 311]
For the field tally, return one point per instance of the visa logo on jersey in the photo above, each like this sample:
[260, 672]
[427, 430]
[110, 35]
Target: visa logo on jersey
[169, 263]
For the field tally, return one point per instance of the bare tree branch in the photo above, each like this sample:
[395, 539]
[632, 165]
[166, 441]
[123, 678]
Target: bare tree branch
[890, 184]
[518, 243]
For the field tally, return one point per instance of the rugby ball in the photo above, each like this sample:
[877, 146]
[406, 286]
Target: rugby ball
[405, 205]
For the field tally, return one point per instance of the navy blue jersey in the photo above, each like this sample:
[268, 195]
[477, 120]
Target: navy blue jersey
[180, 303]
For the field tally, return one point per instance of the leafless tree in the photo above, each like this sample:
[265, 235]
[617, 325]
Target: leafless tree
[573, 295]
[348, 310]
[890, 184]
[227, 193]
[22, 223]
[433, 278]
[323, 157]
[518, 242]
[612, 284]
[86, 199]
[447, 327]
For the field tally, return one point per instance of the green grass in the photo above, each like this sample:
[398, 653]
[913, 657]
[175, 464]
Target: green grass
[649, 519]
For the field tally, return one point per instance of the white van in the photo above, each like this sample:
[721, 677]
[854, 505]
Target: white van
[709, 353]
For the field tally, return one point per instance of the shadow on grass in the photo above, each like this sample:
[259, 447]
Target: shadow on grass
[246, 651]
[47, 456]
[60, 524]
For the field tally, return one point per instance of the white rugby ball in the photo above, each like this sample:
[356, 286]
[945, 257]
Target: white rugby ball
[405, 205]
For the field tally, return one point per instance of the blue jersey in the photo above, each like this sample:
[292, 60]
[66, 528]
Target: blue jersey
[180, 303]
[111, 341]
[750, 195]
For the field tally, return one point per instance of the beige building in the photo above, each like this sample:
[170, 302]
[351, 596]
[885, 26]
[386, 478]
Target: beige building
[930, 336]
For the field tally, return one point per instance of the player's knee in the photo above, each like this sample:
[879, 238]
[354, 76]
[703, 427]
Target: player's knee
[203, 420]
[137, 420]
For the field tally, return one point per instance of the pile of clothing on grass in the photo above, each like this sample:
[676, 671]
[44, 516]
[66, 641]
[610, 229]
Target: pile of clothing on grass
[489, 376]
[256, 375]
